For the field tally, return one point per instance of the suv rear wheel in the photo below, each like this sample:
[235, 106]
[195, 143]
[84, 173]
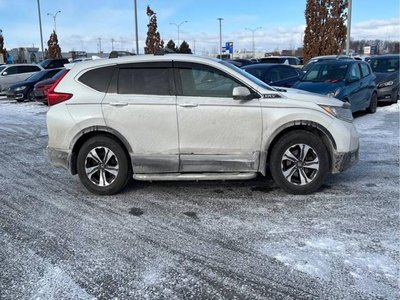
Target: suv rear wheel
[299, 162]
[103, 166]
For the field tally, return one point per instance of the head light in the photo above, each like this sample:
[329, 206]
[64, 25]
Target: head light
[20, 88]
[333, 94]
[343, 112]
[384, 84]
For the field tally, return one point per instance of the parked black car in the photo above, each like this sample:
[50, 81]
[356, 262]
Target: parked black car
[386, 70]
[54, 63]
[275, 74]
[290, 60]
[240, 62]
[23, 90]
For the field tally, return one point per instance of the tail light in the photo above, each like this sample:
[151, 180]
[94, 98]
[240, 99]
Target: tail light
[56, 97]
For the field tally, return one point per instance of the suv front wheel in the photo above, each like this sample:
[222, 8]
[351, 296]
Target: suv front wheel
[103, 165]
[299, 162]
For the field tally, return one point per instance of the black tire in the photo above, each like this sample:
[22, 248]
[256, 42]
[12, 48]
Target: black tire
[307, 170]
[109, 173]
[395, 95]
[373, 104]
[30, 95]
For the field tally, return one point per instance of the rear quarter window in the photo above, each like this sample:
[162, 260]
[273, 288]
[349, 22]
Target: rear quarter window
[98, 79]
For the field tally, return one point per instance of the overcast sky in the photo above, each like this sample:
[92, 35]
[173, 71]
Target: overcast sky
[81, 23]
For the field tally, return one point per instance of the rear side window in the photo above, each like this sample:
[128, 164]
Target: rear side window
[28, 69]
[365, 71]
[98, 79]
[144, 81]
[287, 72]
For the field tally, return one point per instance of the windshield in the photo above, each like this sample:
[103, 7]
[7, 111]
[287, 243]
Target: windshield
[326, 72]
[384, 65]
[2, 68]
[37, 76]
[248, 76]
[58, 74]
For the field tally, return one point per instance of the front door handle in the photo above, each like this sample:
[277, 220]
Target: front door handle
[118, 103]
[188, 105]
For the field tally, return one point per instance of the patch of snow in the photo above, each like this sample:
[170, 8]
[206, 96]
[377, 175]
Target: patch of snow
[56, 284]
[395, 107]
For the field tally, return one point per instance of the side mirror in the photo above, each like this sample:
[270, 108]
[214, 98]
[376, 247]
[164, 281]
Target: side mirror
[4, 73]
[242, 93]
[352, 79]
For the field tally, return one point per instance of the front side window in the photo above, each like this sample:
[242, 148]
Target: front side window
[206, 82]
[365, 70]
[12, 70]
[144, 81]
[355, 72]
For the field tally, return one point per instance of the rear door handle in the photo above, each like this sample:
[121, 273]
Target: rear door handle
[188, 105]
[118, 103]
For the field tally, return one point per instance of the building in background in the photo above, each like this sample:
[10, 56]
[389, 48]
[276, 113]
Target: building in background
[29, 55]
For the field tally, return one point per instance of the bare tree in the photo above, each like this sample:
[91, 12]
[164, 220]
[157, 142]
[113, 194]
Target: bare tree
[153, 41]
[325, 32]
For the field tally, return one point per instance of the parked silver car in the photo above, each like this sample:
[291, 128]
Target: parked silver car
[183, 117]
[10, 74]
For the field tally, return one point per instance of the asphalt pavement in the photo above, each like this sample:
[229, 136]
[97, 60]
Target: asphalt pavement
[197, 240]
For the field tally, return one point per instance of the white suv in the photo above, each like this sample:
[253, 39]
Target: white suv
[183, 117]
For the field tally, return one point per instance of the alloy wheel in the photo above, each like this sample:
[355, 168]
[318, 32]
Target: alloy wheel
[300, 164]
[101, 166]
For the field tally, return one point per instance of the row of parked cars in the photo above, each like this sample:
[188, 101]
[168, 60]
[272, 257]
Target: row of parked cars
[351, 80]
[30, 81]
[359, 83]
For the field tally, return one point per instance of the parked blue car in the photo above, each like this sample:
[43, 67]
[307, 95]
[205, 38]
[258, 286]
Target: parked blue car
[348, 80]
[275, 74]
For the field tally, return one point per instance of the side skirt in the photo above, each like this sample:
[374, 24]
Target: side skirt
[194, 176]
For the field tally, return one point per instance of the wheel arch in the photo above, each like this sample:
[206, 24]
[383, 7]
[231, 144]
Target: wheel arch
[90, 132]
[305, 125]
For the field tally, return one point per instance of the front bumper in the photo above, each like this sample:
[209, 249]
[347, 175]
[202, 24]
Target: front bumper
[344, 160]
[387, 93]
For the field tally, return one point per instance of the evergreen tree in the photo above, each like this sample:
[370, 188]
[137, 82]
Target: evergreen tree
[326, 30]
[53, 50]
[153, 41]
[171, 45]
[184, 48]
[3, 51]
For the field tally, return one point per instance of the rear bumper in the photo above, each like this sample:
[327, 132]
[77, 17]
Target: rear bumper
[344, 160]
[59, 158]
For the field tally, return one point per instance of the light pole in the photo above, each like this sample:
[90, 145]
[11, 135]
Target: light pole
[348, 27]
[136, 30]
[40, 26]
[220, 37]
[54, 18]
[252, 34]
[178, 26]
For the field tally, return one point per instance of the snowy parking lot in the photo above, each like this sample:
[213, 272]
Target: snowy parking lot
[197, 240]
